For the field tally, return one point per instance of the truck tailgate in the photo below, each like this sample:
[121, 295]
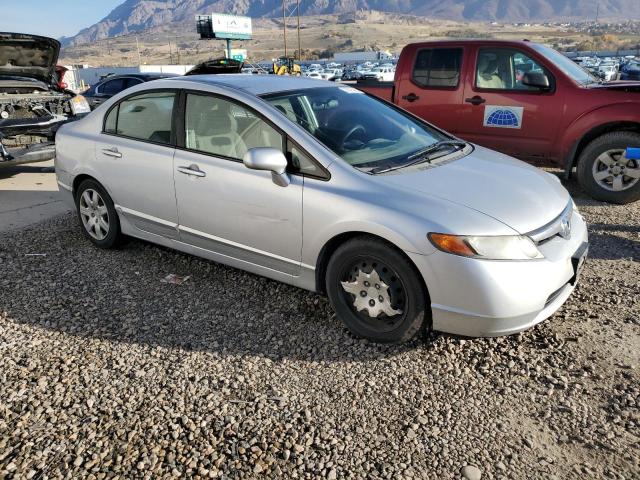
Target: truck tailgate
[383, 90]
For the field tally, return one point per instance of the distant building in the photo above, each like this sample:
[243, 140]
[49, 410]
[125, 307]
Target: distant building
[360, 57]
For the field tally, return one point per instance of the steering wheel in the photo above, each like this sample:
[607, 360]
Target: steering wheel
[350, 133]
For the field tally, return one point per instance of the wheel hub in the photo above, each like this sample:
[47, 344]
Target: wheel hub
[371, 294]
[94, 214]
[613, 171]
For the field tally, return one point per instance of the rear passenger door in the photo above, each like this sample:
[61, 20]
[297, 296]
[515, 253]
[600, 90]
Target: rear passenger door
[134, 160]
[432, 88]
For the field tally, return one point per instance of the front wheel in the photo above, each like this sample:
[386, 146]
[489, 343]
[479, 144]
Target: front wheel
[605, 172]
[376, 291]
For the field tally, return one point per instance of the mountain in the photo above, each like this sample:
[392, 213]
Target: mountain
[137, 15]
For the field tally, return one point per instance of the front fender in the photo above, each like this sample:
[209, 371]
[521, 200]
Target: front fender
[598, 118]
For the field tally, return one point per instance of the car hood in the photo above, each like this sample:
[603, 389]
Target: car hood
[23, 55]
[624, 85]
[508, 190]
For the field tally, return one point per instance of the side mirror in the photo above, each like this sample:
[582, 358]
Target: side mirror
[269, 159]
[536, 80]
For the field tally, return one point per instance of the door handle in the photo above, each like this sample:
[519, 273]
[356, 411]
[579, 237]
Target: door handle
[111, 152]
[477, 100]
[192, 170]
[412, 97]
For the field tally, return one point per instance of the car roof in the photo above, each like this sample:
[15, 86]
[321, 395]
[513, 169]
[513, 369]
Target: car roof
[141, 76]
[257, 84]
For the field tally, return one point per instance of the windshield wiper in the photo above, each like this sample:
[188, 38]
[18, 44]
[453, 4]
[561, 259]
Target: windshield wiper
[421, 155]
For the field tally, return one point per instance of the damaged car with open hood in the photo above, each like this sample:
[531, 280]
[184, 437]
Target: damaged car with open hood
[32, 104]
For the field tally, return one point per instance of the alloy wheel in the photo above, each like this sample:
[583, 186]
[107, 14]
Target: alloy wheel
[613, 171]
[94, 214]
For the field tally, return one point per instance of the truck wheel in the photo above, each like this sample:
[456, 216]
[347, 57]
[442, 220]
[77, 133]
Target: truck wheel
[97, 215]
[376, 291]
[606, 173]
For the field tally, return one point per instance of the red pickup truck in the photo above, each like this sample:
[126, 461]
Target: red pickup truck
[529, 101]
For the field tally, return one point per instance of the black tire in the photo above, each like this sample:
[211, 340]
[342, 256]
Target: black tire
[401, 272]
[113, 237]
[607, 142]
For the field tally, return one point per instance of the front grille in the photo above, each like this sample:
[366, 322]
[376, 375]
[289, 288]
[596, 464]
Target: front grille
[559, 226]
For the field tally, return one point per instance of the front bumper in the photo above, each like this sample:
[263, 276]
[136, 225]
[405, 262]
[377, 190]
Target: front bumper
[483, 298]
[40, 152]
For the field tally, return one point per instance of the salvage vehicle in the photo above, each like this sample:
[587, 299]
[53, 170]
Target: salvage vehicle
[114, 84]
[33, 104]
[528, 101]
[405, 226]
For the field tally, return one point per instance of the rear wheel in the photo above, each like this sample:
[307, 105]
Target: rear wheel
[376, 291]
[97, 214]
[606, 173]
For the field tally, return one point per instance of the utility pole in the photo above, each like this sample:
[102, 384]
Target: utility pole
[170, 51]
[138, 48]
[597, 10]
[298, 12]
[284, 26]
[177, 51]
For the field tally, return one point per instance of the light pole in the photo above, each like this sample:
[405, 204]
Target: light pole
[284, 26]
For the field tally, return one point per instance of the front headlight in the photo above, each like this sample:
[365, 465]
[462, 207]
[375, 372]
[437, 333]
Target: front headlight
[514, 247]
[79, 105]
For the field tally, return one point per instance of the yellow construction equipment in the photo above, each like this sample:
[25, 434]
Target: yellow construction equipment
[286, 66]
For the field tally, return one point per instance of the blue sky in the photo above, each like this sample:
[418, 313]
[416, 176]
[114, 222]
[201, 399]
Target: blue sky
[52, 18]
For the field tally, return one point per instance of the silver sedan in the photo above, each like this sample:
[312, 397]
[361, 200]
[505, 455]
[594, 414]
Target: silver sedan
[318, 185]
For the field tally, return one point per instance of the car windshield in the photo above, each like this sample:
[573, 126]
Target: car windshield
[364, 131]
[568, 66]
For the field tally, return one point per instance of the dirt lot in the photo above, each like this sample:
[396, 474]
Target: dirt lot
[105, 371]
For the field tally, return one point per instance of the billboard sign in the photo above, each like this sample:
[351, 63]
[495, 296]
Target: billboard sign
[231, 26]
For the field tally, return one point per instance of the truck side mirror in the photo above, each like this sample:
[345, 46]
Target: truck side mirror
[536, 80]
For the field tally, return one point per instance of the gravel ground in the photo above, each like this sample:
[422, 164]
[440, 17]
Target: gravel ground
[106, 372]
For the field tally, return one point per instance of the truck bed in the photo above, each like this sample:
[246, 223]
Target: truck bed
[383, 90]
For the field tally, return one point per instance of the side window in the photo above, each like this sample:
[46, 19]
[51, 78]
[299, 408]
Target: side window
[301, 163]
[111, 121]
[220, 127]
[438, 67]
[147, 116]
[132, 82]
[112, 87]
[504, 68]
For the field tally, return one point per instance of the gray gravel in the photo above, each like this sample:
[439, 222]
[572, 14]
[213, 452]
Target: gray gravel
[106, 372]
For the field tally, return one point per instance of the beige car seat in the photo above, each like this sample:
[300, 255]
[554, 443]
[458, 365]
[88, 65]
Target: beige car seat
[216, 130]
[487, 72]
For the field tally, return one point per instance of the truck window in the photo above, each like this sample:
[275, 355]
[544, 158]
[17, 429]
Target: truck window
[438, 67]
[503, 69]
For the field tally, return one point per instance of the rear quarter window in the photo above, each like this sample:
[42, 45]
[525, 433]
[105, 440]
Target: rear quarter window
[438, 67]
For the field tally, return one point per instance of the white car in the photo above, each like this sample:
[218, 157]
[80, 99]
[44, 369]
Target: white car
[381, 74]
[608, 72]
[320, 186]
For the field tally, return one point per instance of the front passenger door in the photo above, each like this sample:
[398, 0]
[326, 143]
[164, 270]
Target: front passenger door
[501, 113]
[223, 206]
